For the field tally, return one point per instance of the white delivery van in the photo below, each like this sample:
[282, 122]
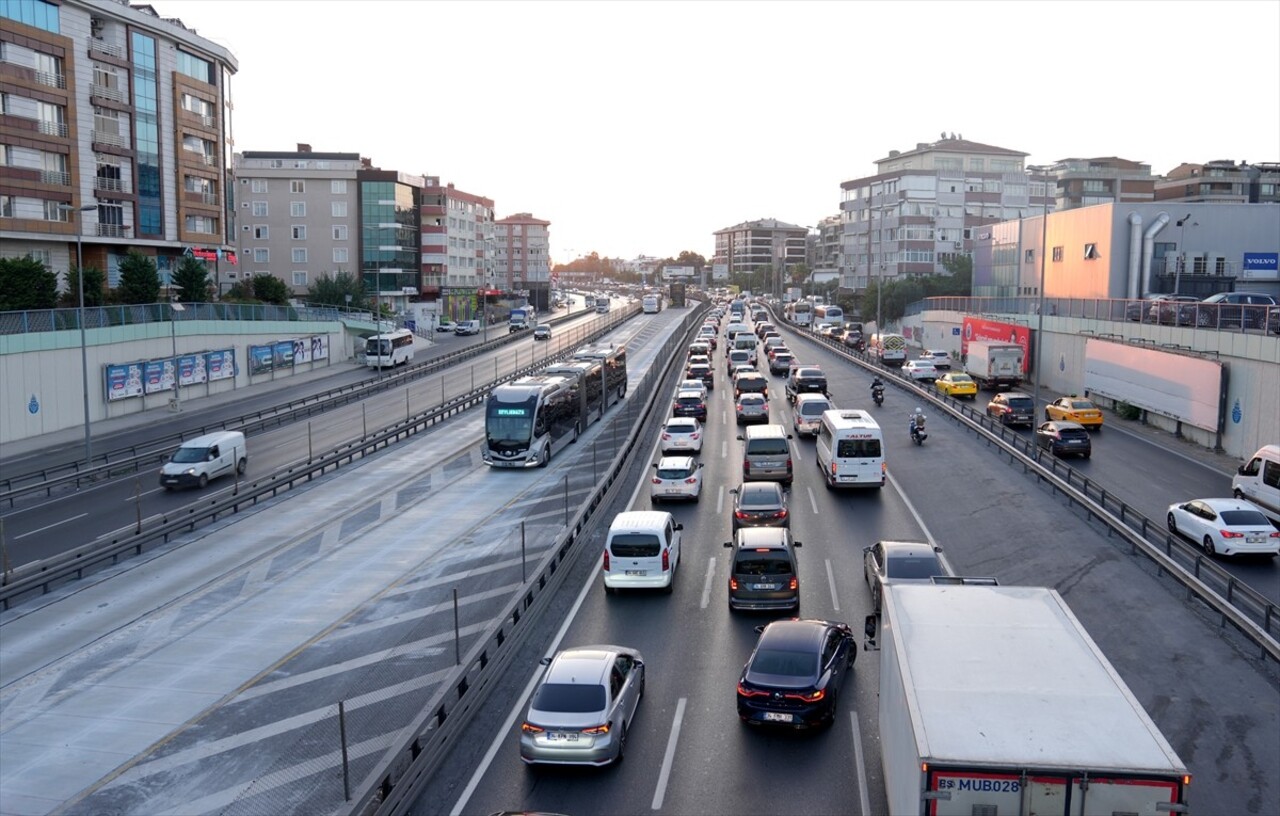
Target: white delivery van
[202, 458]
[850, 449]
[467, 327]
[641, 551]
[1258, 481]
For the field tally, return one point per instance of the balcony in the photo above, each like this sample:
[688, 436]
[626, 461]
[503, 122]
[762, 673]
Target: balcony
[112, 185]
[100, 46]
[52, 80]
[108, 93]
[200, 197]
[51, 128]
[114, 231]
[110, 139]
[55, 177]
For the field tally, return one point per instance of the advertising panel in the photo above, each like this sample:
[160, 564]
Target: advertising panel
[980, 328]
[191, 369]
[124, 381]
[220, 365]
[302, 350]
[157, 376]
[1261, 264]
[260, 360]
[320, 347]
[283, 353]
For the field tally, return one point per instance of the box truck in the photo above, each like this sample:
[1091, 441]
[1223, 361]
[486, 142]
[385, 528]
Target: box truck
[994, 365]
[522, 317]
[994, 699]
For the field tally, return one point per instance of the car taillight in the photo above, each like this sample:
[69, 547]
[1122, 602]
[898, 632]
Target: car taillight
[1230, 534]
[733, 583]
[1276, 534]
[833, 467]
[666, 436]
[788, 463]
[599, 729]
[795, 584]
[530, 728]
[691, 480]
[746, 466]
[694, 435]
[743, 691]
[781, 514]
[808, 697]
[666, 560]
[739, 514]
[656, 480]
[606, 560]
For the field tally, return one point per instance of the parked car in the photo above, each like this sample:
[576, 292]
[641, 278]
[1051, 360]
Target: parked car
[957, 384]
[1273, 320]
[760, 504]
[1063, 438]
[920, 370]
[446, 326]
[1227, 310]
[763, 573]
[1013, 408]
[676, 477]
[1075, 409]
[1226, 526]
[1164, 310]
[682, 434]
[794, 674]
[583, 706]
[899, 562]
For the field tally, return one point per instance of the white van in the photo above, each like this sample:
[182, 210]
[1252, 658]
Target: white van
[850, 449]
[202, 458]
[1258, 480]
[642, 551]
[466, 327]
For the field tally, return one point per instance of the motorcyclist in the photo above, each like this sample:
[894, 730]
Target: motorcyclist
[877, 389]
[917, 422]
[877, 383]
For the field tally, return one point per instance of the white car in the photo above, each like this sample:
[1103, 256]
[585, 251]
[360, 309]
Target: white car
[920, 370]
[676, 477]
[1226, 526]
[693, 385]
[808, 413]
[682, 434]
[939, 358]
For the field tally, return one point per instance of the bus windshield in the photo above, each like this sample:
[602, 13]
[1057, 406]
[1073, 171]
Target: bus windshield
[509, 424]
[378, 346]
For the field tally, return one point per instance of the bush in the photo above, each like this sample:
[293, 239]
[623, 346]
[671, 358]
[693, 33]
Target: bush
[1126, 411]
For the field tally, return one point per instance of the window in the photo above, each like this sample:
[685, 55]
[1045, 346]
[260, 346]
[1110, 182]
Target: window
[261, 255]
[202, 224]
[338, 186]
[297, 186]
[340, 255]
[1057, 254]
[195, 67]
[261, 232]
[258, 185]
[200, 107]
[977, 164]
[53, 212]
[36, 13]
[1091, 252]
[299, 277]
[339, 209]
[6, 206]
[300, 255]
[1029, 256]
[298, 209]
[339, 232]
[299, 232]
[948, 163]
[259, 209]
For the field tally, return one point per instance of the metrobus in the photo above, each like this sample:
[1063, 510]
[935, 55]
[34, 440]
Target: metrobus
[800, 313]
[827, 315]
[602, 305]
[529, 420]
[389, 349]
[652, 304]
[614, 361]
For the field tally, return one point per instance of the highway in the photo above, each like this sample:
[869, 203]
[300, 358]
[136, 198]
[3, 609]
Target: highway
[361, 568]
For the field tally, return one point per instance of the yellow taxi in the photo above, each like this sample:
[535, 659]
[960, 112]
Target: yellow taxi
[956, 384]
[1075, 409]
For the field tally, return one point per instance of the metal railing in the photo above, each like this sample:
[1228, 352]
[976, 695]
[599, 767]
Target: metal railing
[114, 230]
[98, 45]
[107, 92]
[97, 317]
[1196, 315]
[112, 139]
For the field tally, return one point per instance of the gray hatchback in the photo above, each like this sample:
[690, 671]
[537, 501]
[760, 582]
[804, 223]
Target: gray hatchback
[764, 573]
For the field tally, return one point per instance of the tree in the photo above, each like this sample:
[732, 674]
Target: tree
[959, 280]
[799, 274]
[25, 283]
[270, 289]
[333, 291]
[94, 281]
[192, 279]
[139, 280]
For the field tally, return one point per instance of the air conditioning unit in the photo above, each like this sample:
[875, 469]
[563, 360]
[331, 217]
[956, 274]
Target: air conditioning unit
[959, 245]
[244, 181]
[245, 228]
[244, 205]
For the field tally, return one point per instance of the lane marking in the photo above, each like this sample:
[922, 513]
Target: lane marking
[720, 499]
[669, 757]
[923, 527]
[50, 526]
[724, 449]
[864, 800]
[706, 588]
[812, 501]
[831, 579]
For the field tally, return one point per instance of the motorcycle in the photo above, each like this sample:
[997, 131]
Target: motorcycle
[917, 432]
[877, 394]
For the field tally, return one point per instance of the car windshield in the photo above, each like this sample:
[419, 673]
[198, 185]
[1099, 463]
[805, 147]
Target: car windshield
[767, 447]
[914, 567]
[569, 698]
[673, 473]
[1073, 433]
[813, 408]
[635, 545]
[1244, 518]
[960, 378]
[752, 499]
[189, 455]
[1082, 404]
[786, 663]
[751, 399]
[762, 563]
[1021, 402]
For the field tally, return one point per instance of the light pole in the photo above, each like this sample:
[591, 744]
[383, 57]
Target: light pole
[84, 348]
[1181, 223]
[1044, 251]
[174, 308]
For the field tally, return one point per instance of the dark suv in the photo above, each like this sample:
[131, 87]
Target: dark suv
[1227, 310]
[806, 380]
[764, 573]
[1063, 438]
[1013, 408]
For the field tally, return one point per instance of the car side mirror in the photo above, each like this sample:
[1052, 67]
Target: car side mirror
[871, 627]
[866, 550]
[701, 465]
[1242, 469]
[678, 526]
[546, 661]
[797, 543]
[654, 465]
[739, 439]
[729, 544]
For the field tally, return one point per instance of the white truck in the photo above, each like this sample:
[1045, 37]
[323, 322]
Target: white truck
[523, 317]
[994, 365]
[994, 699]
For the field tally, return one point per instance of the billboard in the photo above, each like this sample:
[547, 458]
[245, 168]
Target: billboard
[678, 272]
[980, 328]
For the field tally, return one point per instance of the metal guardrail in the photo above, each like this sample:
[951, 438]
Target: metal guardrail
[1236, 602]
[97, 317]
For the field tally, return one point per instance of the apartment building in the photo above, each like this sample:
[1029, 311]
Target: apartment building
[457, 246]
[926, 204]
[766, 243]
[298, 215]
[522, 257]
[824, 246]
[1086, 182]
[1221, 181]
[114, 126]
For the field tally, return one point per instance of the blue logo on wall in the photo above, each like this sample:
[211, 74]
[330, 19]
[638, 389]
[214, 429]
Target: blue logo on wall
[1261, 262]
[34, 405]
[1236, 413]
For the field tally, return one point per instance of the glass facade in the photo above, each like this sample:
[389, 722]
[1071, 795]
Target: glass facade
[389, 232]
[147, 136]
[195, 67]
[35, 13]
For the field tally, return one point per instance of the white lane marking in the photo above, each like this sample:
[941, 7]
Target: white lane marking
[860, 764]
[706, 588]
[812, 501]
[720, 499]
[137, 496]
[923, 527]
[510, 723]
[670, 755]
[831, 579]
[50, 526]
[724, 449]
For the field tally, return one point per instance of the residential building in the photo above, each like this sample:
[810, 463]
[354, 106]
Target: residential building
[115, 125]
[298, 215]
[457, 246]
[925, 205]
[391, 235]
[1221, 181]
[522, 257]
[767, 244]
[824, 246]
[1085, 182]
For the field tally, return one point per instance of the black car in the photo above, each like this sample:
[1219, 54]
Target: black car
[1013, 408]
[1062, 438]
[751, 383]
[806, 380]
[764, 573]
[760, 504]
[795, 672]
[689, 404]
[702, 372]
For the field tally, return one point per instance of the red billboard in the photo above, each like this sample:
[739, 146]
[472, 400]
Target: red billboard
[979, 328]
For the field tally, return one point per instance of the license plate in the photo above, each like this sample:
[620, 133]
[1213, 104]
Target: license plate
[764, 586]
[777, 716]
[770, 464]
[1254, 539]
[560, 736]
[637, 572]
[672, 493]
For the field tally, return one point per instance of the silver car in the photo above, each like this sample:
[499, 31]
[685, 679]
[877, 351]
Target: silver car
[583, 706]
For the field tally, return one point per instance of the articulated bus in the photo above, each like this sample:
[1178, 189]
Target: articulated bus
[800, 313]
[827, 315]
[390, 349]
[614, 360]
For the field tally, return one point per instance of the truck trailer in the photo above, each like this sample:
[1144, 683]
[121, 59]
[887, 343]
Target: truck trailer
[994, 365]
[994, 699]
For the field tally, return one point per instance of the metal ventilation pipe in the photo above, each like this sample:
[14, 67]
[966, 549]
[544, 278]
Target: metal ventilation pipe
[1149, 247]
[1133, 292]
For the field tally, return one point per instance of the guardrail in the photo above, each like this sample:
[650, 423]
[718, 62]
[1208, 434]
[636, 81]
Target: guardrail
[1250, 612]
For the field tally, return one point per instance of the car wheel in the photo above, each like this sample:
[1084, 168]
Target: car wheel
[242, 466]
[622, 745]
[1208, 546]
[204, 479]
[831, 712]
[671, 585]
[1087, 455]
[1172, 524]
[1047, 418]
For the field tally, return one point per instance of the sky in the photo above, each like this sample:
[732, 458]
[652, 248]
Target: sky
[643, 127]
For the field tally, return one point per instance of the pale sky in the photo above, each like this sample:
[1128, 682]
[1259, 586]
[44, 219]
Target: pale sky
[642, 127]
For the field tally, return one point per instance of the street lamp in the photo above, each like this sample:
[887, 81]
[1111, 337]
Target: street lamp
[1181, 224]
[1044, 240]
[84, 349]
[174, 308]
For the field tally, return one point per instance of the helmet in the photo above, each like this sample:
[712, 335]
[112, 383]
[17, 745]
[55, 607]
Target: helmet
[918, 411]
